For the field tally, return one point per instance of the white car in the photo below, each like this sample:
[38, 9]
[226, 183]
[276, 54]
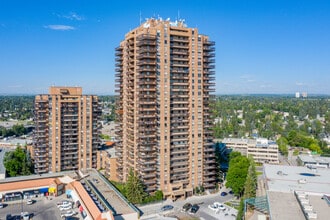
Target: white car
[217, 206]
[68, 214]
[64, 208]
[25, 215]
[213, 207]
[29, 202]
[64, 203]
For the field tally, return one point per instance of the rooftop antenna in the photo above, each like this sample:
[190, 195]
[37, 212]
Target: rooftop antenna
[179, 15]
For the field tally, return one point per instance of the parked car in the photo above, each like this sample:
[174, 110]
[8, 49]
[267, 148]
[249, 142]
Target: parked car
[29, 202]
[224, 194]
[1, 205]
[166, 207]
[71, 218]
[64, 203]
[186, 207]
[25, 215]
[217, 206]
[65, 208]
[213, 207]
[194, 208]
[69, 213]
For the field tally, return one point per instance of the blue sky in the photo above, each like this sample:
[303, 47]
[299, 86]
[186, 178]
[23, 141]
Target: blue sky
[266, 46]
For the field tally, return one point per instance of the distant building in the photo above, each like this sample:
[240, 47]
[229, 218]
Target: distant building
[107, 160]
[304, 94]
[165, 77]
[261, 149]
[313, 161]
[67, 128]
[297, 95]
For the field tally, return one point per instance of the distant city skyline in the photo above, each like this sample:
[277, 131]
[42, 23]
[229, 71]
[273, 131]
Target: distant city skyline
[262, 47]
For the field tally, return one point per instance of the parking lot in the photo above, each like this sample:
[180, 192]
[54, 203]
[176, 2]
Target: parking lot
[152, 211]
[41, 209]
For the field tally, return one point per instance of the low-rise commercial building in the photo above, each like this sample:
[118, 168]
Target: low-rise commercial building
[313, 161]
[296, 192]
[92, 193]
[261, 149]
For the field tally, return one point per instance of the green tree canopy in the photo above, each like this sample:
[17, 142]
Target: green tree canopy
[251, 181]
[18, 162]
[237, 172]
[134, 188]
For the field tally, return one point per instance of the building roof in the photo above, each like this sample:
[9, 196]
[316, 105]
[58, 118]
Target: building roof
[289, 178]
[236, 140]
[19, 185]
[313, 159]
[283, 205]
[87, 200]
[109, 143]
[39, 176]
[118, 203]
[111, 152]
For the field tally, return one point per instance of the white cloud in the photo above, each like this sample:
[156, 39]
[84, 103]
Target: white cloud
[300, 84]
[72, 16]
[245, 76]
[15, 86]
[266, 86]
[59, 27]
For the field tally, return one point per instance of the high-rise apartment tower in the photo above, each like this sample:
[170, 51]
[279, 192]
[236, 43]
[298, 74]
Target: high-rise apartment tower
[67, 128]
[164, 77]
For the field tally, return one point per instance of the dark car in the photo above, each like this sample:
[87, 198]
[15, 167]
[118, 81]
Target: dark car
[71, 218]
[186, 207]
[194, 208]
[223, 194]
[166, 207]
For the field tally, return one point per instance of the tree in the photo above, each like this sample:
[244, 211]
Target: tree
[234, 154]
[240, 213]
[315, 148]
[18, 162]
[282, 143]
[134, 188]
[251, 181]
[237, 172]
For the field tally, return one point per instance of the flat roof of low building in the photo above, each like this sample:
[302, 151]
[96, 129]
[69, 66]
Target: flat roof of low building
[313, 159]
[111, 151]
[284, 206]
[320, 206]
[237, 140]
[119, 204]
[72, 174]
[28, 184]
[283, 178]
